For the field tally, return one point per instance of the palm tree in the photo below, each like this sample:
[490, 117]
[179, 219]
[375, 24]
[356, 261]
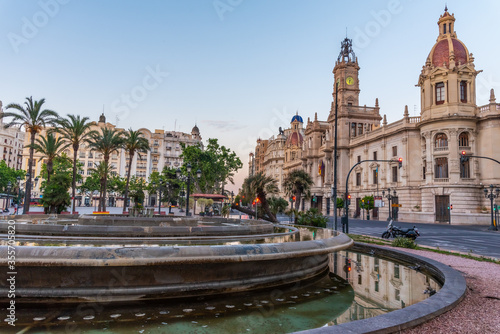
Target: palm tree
[49, 147]
[297, 183]
[75, 130]
[106, 142]
[133, 142]
[34, 119]
[260, 185]
[103, 170]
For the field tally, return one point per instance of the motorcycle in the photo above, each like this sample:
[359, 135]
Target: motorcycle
[396, 231]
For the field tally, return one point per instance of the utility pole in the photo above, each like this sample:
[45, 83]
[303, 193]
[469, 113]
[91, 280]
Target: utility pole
[334, 189]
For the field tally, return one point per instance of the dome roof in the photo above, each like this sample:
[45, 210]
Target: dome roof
[297, 118]
[448, 48]
[295, 139]
[195, 130]
[440, 54]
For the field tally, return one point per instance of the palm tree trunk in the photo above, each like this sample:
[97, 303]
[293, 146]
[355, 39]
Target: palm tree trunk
[27, 198]
[50, 168]
[104, 186]
[265, 207]
[73, 183]
[131, 156]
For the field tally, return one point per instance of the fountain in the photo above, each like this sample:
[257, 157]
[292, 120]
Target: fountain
[208, 275]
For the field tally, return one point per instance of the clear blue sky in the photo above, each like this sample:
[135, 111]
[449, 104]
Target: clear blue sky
[239, 69]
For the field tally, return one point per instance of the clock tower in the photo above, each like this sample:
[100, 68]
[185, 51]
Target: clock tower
[346, 74]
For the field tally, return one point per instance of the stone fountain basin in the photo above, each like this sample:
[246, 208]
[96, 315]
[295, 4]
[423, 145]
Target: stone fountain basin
[141, 227]
[47, 274]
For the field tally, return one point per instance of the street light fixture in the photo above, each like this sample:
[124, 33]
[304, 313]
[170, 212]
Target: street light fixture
[492, 196]
[9, 185]
[188, 178]
[389, 197]
[18, 194]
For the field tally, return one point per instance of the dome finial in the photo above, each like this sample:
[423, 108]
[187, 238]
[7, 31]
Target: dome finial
[445, 7]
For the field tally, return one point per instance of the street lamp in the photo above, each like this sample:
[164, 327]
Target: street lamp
[389, 197]
[9, 185]
[492, 196]
[198, 175]
[18, 194]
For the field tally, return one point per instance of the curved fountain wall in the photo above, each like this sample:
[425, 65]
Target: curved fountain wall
[76, 274]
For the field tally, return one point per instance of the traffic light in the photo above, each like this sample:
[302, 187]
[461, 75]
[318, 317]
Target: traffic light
[347, 267]
[463, 158]
[451, 206]
[314, 199]
[348, 199]
[495, 208]
[293, 198]
[400, 162]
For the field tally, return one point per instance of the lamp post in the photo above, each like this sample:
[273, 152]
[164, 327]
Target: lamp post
[198, 175]
[18, 194]
[492, 196]
[389, 197]
[159, 196]
[167, 188]
[9, 185]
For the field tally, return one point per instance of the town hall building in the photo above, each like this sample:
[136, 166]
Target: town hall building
[432, 178]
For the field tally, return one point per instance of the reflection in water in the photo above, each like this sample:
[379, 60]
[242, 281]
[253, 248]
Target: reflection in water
[380, 285]
[358, 286]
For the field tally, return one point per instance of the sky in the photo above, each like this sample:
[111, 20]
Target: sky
[238, 69]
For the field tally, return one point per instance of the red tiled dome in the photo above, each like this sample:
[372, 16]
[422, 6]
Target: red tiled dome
[441, 53]
[294, 139]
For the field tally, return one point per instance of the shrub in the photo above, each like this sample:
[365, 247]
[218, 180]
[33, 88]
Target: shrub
[404, 243]
[312, 218]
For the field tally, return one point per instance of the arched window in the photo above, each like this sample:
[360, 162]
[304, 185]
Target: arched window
[441, 141]
[463, 139]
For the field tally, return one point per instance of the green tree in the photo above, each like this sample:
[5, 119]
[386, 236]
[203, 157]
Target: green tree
[133, 143]
[260, 186]
[34, 119]
[8, 174]
[340, 205]
[296, 183]
[277, 205]
[55, 190]
[50, 147]
[137, 186]
[106, 142]
[102, 170]
[216, 163]
[367, 203]
[75, 130]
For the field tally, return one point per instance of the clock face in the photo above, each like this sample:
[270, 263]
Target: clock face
[349, 80]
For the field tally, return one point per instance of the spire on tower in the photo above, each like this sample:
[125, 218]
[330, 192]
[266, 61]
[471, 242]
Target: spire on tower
[346, 52]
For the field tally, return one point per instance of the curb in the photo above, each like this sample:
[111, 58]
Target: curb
[452, 292]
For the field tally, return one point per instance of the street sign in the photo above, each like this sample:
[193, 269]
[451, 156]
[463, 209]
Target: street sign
[396, 205]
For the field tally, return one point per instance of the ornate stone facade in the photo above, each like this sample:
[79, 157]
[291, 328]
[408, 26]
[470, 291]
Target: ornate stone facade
[432, 177]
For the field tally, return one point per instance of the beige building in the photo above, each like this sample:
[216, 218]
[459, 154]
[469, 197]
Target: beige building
[432, 177]
[165, 152]
[11, 144]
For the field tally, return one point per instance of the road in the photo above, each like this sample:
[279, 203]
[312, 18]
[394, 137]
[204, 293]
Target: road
[463, 238]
